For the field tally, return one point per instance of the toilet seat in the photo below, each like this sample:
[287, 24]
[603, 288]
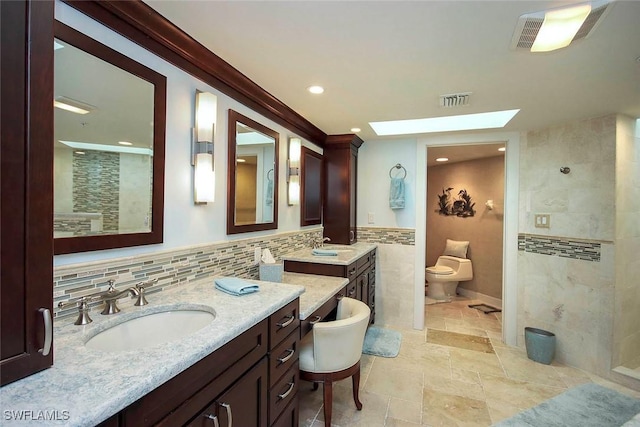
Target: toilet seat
[440, 270]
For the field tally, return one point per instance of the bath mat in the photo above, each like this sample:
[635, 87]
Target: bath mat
[382, 342]
[486, 309]
[588, 405]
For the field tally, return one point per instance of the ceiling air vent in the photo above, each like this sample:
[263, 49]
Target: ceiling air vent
[455, 99]
[529, 25]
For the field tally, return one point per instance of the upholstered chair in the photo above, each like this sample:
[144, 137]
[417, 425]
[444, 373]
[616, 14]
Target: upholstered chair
[332, 351]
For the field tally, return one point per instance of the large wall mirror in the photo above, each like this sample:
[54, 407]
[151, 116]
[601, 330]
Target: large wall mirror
[252, 183]
[109, 134]
[311, 165]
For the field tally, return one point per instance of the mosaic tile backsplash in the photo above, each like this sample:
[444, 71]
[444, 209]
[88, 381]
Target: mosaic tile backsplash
[172, 268]
[559, 246]
[397, 236]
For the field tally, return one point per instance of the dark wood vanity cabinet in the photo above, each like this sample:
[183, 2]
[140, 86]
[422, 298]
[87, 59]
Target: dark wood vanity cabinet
[250, 381]
[341, 170]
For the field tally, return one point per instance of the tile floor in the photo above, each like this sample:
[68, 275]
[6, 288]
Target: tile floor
[446, 384]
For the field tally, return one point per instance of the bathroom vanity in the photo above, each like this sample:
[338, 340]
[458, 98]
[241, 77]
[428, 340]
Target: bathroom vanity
[356, 263]
[243, 365]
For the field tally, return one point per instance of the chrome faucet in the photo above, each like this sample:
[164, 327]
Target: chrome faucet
[83, 309]
[111, 295]
[141, 288]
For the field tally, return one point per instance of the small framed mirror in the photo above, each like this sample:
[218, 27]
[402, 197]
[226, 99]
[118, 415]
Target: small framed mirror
[252, 182]
[109, 135]
[311, 165]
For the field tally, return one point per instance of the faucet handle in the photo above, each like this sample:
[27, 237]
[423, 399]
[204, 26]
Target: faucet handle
[83, 308]
[141, 287]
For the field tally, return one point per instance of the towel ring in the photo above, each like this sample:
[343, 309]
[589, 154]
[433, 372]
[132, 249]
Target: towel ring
[398, 166]
[270, 171]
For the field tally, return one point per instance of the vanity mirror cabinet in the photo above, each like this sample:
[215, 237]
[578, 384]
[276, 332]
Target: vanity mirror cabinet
[311, 187]
[341, 170]
[252, 181]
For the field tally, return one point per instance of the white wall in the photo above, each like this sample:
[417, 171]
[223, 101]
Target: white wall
[185, 224]
[375, 158]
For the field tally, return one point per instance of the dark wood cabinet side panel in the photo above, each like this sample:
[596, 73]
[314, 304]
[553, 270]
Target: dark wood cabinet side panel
[179, 395]
[311, 187]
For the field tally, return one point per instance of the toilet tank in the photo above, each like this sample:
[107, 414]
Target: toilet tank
[461, 266]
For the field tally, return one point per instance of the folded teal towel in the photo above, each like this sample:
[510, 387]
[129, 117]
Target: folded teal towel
[324, 252]
[235, 286]
[396, 193]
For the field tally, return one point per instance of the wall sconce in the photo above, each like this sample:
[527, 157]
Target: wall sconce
[293, 172]
[204, 178]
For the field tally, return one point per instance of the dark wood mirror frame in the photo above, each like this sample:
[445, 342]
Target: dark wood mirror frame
[232, 228]
[155, 235]
[311, 187]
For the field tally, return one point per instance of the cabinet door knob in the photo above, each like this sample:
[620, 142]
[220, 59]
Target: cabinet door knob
[48, 331]
[213, 418]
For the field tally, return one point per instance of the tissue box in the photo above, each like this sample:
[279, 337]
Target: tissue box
[271, 272]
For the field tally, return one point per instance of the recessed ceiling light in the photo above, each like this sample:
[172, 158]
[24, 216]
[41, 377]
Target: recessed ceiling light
[502, 149]
[559, 28]
[315, 89]
[355, 130]
[442, 159]
[495, 119]
[80, 152]
[125, 143]
[239, 160]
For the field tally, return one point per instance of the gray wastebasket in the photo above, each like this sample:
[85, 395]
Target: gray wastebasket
[541, 345]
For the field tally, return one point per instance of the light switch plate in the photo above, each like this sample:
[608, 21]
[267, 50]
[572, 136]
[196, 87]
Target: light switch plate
[542, 220]
[371, 218]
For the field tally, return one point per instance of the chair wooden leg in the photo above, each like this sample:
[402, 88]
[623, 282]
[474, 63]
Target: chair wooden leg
[328, 402]
[355, 379]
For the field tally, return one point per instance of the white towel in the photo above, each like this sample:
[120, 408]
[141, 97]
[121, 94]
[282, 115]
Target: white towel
[396, 193]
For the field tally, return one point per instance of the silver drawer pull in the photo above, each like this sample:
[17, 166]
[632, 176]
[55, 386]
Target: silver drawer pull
[214, 419]
[287, 322]
[288, 356]
[229, 414]
[352, 291]
[286, 393]
[48, 331]
[315, 320]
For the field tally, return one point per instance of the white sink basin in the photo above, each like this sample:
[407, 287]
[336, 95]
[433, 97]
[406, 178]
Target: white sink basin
[150, 330]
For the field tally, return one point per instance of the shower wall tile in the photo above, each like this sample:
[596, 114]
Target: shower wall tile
[566, 277]
[395, 285]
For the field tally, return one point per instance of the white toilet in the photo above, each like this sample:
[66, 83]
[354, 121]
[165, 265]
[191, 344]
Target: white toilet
[443, 277]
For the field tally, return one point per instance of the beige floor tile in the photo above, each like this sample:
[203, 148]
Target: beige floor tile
[404, 410]
[457, 388]
[454, 339]
[467, 330]
[441, 409]
[393, 422]
[434, 322]
[520, 394]
[469, 360]
[500, 411]
[394, 382]
[373, 413]
[519, 367]
[465, 376]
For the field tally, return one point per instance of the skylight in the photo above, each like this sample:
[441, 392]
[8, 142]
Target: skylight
[495, 119]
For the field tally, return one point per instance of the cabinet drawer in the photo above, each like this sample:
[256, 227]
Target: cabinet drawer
[315, 268]
[352, 290]
[290, 415]
[283, 357]
[352, 271]
[283, 392]
[322, 312]
[363, 262]
[283, 322]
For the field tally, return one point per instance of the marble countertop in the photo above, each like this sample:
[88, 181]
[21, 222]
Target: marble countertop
[317, 290]
[85, 387]
[346, 254]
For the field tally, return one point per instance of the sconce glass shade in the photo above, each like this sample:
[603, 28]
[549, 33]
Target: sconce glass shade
[294, 190]
[204, 179]
[206, 105]
[293, 171]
